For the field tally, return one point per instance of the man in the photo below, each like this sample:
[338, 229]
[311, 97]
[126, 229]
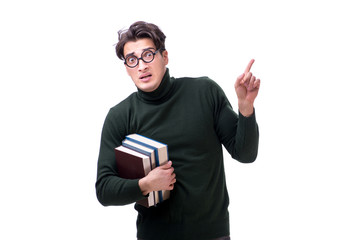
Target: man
[194, 118]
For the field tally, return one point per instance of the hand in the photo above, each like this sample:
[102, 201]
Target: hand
[247, 88]
[160, 178]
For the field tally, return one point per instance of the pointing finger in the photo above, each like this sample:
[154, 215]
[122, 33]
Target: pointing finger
[247, 69]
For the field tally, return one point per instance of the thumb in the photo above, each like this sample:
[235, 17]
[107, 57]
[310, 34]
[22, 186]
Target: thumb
[239, 80]
[166, 165]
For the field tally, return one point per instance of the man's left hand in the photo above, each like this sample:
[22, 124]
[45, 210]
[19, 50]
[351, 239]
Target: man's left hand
[247, 88]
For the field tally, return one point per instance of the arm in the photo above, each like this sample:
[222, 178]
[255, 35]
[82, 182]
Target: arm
[110, 188]
[113, 190]
[239, 133]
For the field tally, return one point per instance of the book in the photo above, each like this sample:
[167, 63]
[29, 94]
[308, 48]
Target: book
[150, 152]
[134, 165]
[141, 149]
[161, 156]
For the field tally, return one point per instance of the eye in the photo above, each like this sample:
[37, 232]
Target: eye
[131, 59]
[147, 54]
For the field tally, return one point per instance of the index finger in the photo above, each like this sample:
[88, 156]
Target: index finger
[247, 69]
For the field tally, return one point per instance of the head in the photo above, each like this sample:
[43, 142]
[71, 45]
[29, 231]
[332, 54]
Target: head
[136, 44]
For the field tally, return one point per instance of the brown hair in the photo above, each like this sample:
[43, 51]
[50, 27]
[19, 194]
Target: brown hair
[140, 30]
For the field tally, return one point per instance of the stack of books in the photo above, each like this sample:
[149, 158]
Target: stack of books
[136, 157]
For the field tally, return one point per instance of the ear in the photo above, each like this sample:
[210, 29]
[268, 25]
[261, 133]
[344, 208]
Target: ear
[165, 56]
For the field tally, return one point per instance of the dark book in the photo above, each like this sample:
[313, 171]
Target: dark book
[161, 157]
[134, 165]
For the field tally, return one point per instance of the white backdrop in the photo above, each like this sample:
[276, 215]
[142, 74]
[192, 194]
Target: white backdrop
[60, 75]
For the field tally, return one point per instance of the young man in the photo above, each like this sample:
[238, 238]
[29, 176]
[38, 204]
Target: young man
[194, 118]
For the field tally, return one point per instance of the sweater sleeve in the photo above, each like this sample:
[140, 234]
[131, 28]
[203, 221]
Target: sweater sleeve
[238, 134]
[110, 188]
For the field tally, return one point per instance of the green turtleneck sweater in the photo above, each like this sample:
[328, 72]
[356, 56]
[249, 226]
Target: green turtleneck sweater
[194, 118]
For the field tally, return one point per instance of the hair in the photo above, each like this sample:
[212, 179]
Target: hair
[140, 30]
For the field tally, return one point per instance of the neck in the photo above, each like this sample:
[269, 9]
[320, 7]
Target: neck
[160, 94]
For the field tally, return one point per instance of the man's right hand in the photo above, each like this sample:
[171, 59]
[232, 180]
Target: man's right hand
[160, 178]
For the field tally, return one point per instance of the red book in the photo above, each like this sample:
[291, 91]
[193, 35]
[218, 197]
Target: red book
[134, 165]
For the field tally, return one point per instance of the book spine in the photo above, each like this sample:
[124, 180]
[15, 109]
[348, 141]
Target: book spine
[136, 149]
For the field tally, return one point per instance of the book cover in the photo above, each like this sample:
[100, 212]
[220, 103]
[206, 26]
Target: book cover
[161, 155]
[134, 165]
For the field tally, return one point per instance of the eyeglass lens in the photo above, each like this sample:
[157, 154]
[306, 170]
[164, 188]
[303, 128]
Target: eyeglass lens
[147, 56]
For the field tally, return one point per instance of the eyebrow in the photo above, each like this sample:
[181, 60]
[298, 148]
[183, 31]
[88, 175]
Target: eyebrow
[133, 53]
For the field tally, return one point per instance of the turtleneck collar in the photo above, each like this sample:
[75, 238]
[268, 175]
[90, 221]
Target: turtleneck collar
[159, 95]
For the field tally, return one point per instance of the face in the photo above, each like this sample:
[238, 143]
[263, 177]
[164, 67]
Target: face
[146, 76]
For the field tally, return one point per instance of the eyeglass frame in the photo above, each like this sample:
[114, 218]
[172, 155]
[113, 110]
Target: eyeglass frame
[141, 58]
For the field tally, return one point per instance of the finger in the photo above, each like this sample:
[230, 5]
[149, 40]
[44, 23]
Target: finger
[239, 79]
[252, 82]
[247, 78]
[173, 181]
[166, 165]
[247, 69]
[257, 83]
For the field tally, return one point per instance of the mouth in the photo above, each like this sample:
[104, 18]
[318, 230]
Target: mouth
[145, 77]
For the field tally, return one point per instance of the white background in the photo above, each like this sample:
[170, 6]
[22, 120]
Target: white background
[60, 75]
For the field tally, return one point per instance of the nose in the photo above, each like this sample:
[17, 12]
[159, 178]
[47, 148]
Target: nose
[142, 65]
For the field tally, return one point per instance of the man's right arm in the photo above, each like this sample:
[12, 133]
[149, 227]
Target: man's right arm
[113, 190]
[110, 188]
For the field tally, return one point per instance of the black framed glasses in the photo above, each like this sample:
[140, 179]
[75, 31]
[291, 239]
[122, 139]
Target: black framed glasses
[147, 56]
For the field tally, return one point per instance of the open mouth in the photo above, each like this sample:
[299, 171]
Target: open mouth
[145, 76]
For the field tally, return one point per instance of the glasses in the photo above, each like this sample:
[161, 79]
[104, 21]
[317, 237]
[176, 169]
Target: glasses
[147, 56]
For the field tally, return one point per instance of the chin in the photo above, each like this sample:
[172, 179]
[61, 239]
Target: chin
[146, 88]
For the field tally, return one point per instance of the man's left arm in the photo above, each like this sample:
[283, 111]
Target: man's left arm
[239, 133]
